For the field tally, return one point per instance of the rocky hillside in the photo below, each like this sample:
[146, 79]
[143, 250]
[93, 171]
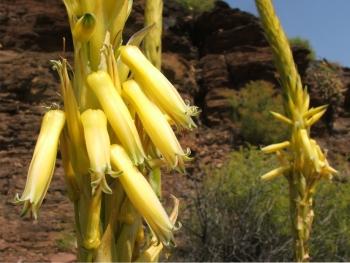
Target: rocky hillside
[209, 57]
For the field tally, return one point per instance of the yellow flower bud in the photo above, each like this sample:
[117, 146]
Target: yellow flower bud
[309, 149]
[313, 111]
[142, 196]
[84, 28]
[275, 173]
[158, 87]
[281, 117]
[275, 147]
[98, 146]
[78, 158]
[117, 114]
[315, 118]
[42, 164]
[155, 124]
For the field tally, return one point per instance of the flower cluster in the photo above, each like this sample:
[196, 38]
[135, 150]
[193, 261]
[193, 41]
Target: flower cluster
[114, 132]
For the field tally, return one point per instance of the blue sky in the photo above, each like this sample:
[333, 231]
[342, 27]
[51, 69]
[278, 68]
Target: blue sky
[325, 23]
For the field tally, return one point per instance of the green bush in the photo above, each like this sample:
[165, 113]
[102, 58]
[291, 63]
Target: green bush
[235, 216]
[251, 110]
[326, 82]
[197, 6]
[304, 43]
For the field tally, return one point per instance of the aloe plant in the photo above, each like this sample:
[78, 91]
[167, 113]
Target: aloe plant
[303, 163]
[115, 130]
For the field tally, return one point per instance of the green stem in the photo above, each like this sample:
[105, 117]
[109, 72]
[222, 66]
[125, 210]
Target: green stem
[106, 252]
[301, 212]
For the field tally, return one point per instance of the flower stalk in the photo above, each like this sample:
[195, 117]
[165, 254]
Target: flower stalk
[303, 163]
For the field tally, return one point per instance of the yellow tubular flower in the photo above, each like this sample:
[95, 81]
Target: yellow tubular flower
[155, 124]
[151, 254]
[158, 87]
[281, 118]
[309, 149]
[98, 146]
[118, 114]
[314, 111]
[276, 147]
[275, 173]
[43, 162]
[142, 196]
[315, 118]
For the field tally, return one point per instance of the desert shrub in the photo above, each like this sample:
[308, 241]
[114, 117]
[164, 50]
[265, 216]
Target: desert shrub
[235, 216]
[197, 6]
[326, 82]
[251, 110]
[304, 43]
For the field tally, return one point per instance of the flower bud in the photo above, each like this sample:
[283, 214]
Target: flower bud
[142, 196]
[84, 28]
[43, 162]
[155, 124]
[158, 87]
[275, 173]
[309, 149]
[98, 146]
[117, 114]
[276, 147]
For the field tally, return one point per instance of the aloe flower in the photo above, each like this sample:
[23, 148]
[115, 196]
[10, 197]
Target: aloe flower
[98, 147]
[155, 124]
[117, 114]
[158, 87]
[142, 195]
[43, 162]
